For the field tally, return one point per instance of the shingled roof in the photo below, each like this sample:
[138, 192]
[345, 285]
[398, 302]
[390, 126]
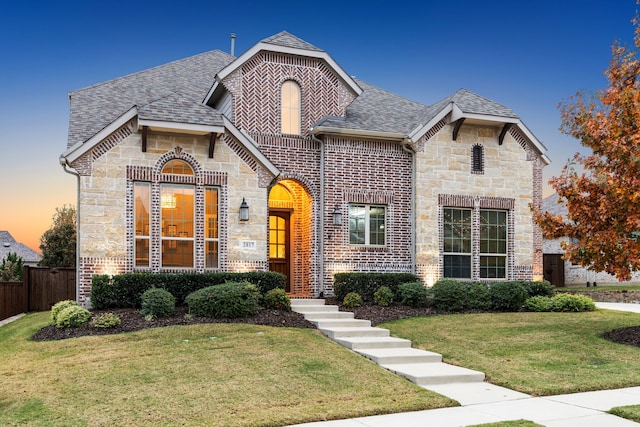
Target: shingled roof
[9, 245]
[174, 92]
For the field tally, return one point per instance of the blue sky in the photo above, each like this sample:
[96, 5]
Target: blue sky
[528, 56]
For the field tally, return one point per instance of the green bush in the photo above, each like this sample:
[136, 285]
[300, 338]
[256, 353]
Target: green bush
[415, 294]
[106, 320]
[58, 307]
[157, 302]
[568, 302]
[543, 288]
[450, 295]
[366, 284]
[538, 303]
[507, 296]
[72, 316]
[228, 300]
[383, 296]
[352, 300]
[478, 297]
[277, 299]
[125, 290]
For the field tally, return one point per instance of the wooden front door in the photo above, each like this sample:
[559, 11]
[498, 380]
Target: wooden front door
[553, 266]
[279, 243]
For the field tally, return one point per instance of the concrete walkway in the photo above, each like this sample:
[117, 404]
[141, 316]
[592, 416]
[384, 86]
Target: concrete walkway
[485, 403]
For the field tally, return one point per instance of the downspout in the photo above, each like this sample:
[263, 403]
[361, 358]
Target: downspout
[405, 147]
[65, 166]
[321, 222]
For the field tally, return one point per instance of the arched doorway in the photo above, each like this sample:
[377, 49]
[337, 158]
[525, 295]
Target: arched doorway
[290, 235]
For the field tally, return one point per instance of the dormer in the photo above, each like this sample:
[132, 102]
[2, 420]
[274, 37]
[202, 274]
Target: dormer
[282, 86]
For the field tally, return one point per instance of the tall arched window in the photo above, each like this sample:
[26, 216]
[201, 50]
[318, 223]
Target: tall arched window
[477, 159]
[290, 108]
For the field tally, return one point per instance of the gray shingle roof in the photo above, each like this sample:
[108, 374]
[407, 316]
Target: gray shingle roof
[174, 92]
[95, 107]
[289, 40]
[178, 109]
[9, 245]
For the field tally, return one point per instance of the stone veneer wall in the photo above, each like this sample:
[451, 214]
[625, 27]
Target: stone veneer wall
[106, 207]
[512, 172]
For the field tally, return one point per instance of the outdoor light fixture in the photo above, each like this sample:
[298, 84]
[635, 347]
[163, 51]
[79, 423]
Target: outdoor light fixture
[244, 210]
[337, 216]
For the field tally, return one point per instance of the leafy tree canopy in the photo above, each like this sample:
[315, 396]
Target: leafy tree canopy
[58, 243]
[11, 268]
[601, 190]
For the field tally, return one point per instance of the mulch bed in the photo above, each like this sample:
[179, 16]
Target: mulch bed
[132, 320]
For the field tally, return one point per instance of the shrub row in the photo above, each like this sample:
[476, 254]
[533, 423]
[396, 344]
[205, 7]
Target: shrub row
[228, 300]
[560, 303]
[366, 284]
[455, 296]
[125, 290]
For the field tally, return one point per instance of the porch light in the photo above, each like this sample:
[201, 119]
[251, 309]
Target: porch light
[244, 210]
[337, 216]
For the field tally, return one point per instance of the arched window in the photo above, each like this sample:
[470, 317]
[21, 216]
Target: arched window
[477, 159]
[290, 108]
[177, 167]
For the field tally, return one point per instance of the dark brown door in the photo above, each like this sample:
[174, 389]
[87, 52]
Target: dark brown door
[279, 244]
[553, 266]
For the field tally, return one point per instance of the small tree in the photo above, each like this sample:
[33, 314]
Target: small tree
[11, 268]
[58, 243]
[603, 199]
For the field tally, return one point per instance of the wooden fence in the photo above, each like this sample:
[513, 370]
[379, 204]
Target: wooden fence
[41, 288]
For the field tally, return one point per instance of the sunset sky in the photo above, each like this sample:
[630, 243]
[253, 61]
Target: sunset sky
[528, 56]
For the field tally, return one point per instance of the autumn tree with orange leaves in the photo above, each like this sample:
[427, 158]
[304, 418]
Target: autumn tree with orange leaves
[602, 226]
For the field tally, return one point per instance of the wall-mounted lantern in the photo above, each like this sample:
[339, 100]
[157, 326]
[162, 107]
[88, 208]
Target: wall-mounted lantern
[337, 216]
[244, 210]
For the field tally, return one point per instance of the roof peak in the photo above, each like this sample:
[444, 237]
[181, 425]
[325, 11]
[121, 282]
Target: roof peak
[287, 39]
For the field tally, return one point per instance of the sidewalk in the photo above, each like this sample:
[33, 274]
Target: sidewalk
[494, 404]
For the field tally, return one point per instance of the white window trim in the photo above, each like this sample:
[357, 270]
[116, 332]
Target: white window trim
[367, 224]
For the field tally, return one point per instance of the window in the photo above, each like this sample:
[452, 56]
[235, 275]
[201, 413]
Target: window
[166, 216]
[142, 223]
[457, 243]
[490, 243]
[366, 225]
[177, 217]
[493, 244]
[211, 227]
[290, 107]
[477, 159]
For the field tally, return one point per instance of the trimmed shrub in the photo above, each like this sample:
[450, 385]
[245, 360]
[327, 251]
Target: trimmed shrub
[538, 303]
[366, 284]
[450, 295]
[543, 288]
[125, 290]
[507, 296]
[568, 302]
[277, 299]
[478, 297]
[228, 300]
[415, 294]
[72, 316]
[157, 302]
[383, 296]
[106, 320]
[352, 300]
[58, 307]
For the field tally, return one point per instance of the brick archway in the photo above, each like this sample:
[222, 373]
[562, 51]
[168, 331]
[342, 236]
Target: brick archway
[291, 235]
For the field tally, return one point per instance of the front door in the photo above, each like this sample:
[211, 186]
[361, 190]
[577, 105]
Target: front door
[553, 266]
[279, 243]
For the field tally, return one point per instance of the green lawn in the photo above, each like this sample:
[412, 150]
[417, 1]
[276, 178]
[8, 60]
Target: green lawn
[535, 353]
[200, 375]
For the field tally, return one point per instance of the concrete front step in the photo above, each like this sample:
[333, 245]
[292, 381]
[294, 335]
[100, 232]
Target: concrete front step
[306, 301]
[388, 356]
[361, 343]
[302, 309]
[356, 331]
[341, 323]
[323, 315]
[434, 373]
